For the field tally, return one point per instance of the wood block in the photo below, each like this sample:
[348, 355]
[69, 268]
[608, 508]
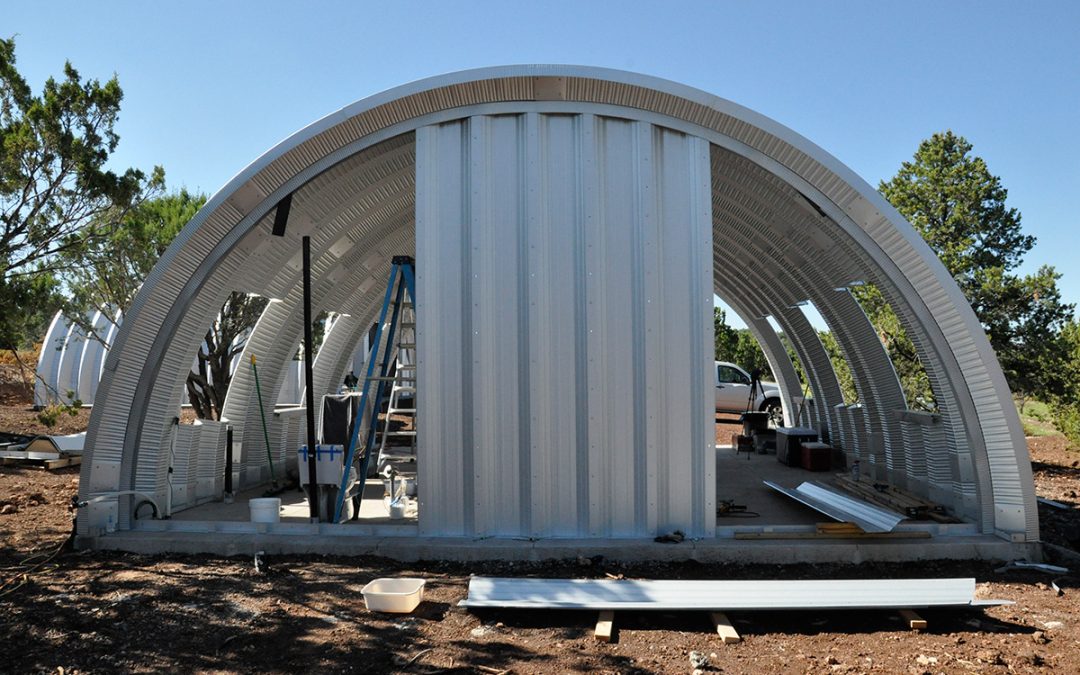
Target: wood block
[915, 621]
[65, 461]
[839, 528]
[724, 629]
[604, 626]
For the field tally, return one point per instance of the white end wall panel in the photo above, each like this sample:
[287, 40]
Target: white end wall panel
[564, 268]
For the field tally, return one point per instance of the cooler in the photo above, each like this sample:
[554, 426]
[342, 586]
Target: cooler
[788, 442]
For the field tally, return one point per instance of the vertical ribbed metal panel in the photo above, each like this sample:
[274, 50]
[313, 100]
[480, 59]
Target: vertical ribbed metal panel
[67, 376]
[183, 456]
[874, 374]
[210, 464]
[565, 299]
[49, 359]
[93, 358]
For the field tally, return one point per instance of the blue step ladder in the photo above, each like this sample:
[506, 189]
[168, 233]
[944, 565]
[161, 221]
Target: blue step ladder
[402, 282]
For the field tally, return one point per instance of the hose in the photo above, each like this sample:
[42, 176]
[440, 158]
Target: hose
[262, 413]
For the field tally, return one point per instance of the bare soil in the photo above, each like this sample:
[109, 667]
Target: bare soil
[110, 612]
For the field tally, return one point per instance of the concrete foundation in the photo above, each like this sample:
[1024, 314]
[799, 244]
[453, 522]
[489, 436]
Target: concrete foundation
[411, 548]
[225, 529]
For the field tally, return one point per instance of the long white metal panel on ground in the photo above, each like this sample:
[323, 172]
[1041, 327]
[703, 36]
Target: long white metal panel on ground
[841, 507]
[564, 327]
[667, 594]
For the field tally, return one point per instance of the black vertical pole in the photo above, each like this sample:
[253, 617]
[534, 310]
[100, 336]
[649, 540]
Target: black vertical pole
[313, 490]
[228, 461]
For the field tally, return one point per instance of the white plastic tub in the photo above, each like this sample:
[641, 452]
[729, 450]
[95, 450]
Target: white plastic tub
[398, 596]
[265, 510]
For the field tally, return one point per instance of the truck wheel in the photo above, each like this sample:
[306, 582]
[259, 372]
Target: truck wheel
[775, 410]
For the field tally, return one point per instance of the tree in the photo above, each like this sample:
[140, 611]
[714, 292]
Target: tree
[725, 337]
[913, 377]
[53, 183]
[208, 383]
[1065, 405]
[840, 366]
[958, 206]
[738, 346]
[117, 253]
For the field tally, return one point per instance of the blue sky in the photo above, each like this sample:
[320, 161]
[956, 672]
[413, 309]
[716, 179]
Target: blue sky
[209, 86]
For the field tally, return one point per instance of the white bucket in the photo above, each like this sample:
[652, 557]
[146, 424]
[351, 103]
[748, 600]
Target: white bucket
[398, 507]
[265, 510]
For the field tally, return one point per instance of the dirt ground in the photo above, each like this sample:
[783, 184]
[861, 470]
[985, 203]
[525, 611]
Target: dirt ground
[111, 612]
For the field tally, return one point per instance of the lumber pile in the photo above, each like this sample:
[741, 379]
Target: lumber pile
[892, 497]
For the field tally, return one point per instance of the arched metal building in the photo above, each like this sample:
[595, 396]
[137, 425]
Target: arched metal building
[570, 227]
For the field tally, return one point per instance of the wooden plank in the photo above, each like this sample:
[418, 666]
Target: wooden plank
[833, 535]
[894, 497]
[65, 461]
[839, 528]
[915, 621]
[728, 634]
[604, 625]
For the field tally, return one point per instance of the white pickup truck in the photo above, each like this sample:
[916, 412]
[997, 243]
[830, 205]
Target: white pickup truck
[733, 391]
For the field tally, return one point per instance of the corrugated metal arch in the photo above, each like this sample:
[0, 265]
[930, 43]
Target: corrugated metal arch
[228, 243]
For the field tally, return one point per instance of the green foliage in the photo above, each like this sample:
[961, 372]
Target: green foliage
[749, 355]
[725, 337]
[901, 350]
[53, 183]
[51, 414]
[1065, 405]
[738, 346]
[958, 206]
[840, 365]
[27, 304]
[117, 252]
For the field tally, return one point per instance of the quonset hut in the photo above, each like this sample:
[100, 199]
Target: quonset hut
[570, 227]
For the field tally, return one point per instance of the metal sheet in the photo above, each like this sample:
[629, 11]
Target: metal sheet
[564, 331]
[772, 594]
[841, 507]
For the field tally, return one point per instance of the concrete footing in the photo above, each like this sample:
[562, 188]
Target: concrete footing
[414, 548]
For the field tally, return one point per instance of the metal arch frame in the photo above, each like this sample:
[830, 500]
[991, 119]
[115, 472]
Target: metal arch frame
[995, 436]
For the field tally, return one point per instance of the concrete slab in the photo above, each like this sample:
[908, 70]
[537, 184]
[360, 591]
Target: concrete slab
[740, 477]
[412, 549]
[225, 529]
[374, 509]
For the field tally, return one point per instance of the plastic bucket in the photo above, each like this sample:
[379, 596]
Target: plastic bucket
[400, 596]
[265, 510]
[398, 507]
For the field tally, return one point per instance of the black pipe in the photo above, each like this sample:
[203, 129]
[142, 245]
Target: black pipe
[313, 489]
[228, 460]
